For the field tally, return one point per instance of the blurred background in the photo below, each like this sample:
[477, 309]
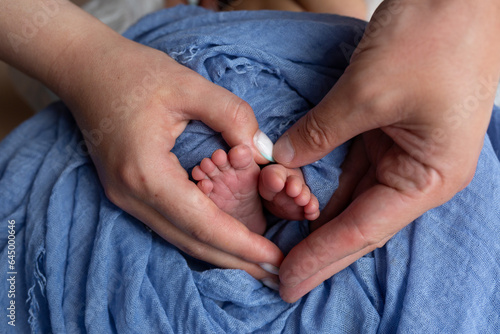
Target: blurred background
[13, 109]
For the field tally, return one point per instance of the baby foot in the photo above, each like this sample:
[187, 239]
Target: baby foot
[286, 193]
[231, 181]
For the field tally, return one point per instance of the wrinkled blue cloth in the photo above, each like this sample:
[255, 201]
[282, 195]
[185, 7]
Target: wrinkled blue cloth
[83, 265]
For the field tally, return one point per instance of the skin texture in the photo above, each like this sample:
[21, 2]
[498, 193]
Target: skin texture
[131, 102]
[417, 96]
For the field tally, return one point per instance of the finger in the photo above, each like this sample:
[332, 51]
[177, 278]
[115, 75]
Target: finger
[200, 218]
[225, 113]
[376, 214]
[191, 246]
[332, 122]
[354, 168]
[292, 295]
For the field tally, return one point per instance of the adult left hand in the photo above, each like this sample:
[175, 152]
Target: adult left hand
[419, 93]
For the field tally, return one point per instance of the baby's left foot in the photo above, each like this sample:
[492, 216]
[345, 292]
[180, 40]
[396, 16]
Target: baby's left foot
[231, 181]
[286, 194]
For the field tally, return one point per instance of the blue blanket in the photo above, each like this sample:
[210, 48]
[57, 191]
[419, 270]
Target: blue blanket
[84, 265]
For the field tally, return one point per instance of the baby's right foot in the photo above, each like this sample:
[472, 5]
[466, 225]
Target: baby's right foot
[286, 194]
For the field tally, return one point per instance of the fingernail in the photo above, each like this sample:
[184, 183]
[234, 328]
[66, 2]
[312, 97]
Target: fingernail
[271, 283]
[283, 150]
[270, 268]
[264, 145]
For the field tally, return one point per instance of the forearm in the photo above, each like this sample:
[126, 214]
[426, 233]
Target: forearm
[50, 39]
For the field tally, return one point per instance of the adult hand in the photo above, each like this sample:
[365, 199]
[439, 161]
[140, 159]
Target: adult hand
[419, 93]
[131, 103]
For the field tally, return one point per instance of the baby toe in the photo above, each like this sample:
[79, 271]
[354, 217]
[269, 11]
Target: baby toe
[209, 167]
[272, 181]
[219, 158]
[206, 186]
[241, 157]
[304, 197]
[312, 206]
[198, 174]
[311, 216]
[294, 185]
[311, 210]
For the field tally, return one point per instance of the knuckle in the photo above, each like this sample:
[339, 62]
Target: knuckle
[372, 98]
[316, 132]
[354, 87]
[187, 87]
[133, 180]
[126, 176]
[368, 239]
[320, 250]
[238, 111]
[364, 92]
[202, 234]
[365, 236]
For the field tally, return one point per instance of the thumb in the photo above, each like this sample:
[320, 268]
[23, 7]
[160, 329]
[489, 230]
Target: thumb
[228, 114]
[332, 122]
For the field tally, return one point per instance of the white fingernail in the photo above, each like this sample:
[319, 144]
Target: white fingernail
[270, 268]
[264, 145]
[271, 283]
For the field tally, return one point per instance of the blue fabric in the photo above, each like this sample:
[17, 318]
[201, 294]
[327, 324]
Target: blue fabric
[83, 265]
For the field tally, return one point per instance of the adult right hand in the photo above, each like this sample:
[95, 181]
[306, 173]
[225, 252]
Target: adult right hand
[131, 103]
